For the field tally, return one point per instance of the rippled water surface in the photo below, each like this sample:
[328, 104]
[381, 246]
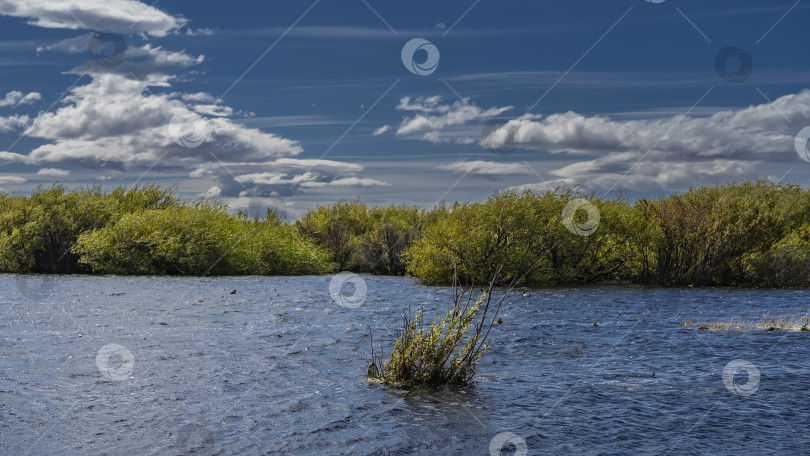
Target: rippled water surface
[278, 368]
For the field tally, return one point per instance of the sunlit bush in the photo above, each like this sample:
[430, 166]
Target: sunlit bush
[721, 235]
[144, 230]
[199, 239]
[364, 238]
[38, 232]
[524, 232]
[447, 351]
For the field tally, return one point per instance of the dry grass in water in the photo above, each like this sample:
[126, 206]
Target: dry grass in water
[795, 323]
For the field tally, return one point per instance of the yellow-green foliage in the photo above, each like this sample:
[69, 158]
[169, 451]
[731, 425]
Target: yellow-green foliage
[739, 234]
[145, 230]
[362, 238]
[197, 240]
[524, 232]
[447, 351]
[38, 232]
[785, 264]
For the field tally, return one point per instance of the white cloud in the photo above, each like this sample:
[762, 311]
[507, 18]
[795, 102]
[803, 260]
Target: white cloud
[13, 122]
[213, 192]
[270, 178]
[112, 123]
[17, 98]
[381, 130]
[200, 97]
[436, 117]
[668, 153]
[214, 110]
[53, 172]
[118, 122]
[345, 182]
[487, 168]
[116, 16]
[10, 157]
[287, 176]
[73, 45]
[143, 63]
[12, 180]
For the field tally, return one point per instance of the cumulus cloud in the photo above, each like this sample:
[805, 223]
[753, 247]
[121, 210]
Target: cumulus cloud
[12, 180]
[53, 172]
[667, 153]
[754, 132]
[13, 123]
[116, 16]
[73, 45]
[10, 157]
[111, 122]
[651, 175]
[17, 98]
[117, 122]
[381, 130]
[435, 118]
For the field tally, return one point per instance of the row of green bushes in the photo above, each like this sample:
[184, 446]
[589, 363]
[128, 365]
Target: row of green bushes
[740, 234]
[145, 230]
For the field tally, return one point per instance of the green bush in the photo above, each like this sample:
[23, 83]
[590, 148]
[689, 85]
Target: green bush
[524, 232]
[785, 264]
[144, 230]
[447, 351]
[199, 239]
[38, 232]
[362, 238]
[738, 234]
[710, 235]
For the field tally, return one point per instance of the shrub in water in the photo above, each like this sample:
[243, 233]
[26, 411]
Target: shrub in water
[446, 352]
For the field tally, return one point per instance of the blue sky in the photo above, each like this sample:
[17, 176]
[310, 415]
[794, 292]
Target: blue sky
[309, 102]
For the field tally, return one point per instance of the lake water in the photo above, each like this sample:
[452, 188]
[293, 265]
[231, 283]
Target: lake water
[172, 366]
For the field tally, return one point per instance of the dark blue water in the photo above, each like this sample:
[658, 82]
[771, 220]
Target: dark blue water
[279, 368]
